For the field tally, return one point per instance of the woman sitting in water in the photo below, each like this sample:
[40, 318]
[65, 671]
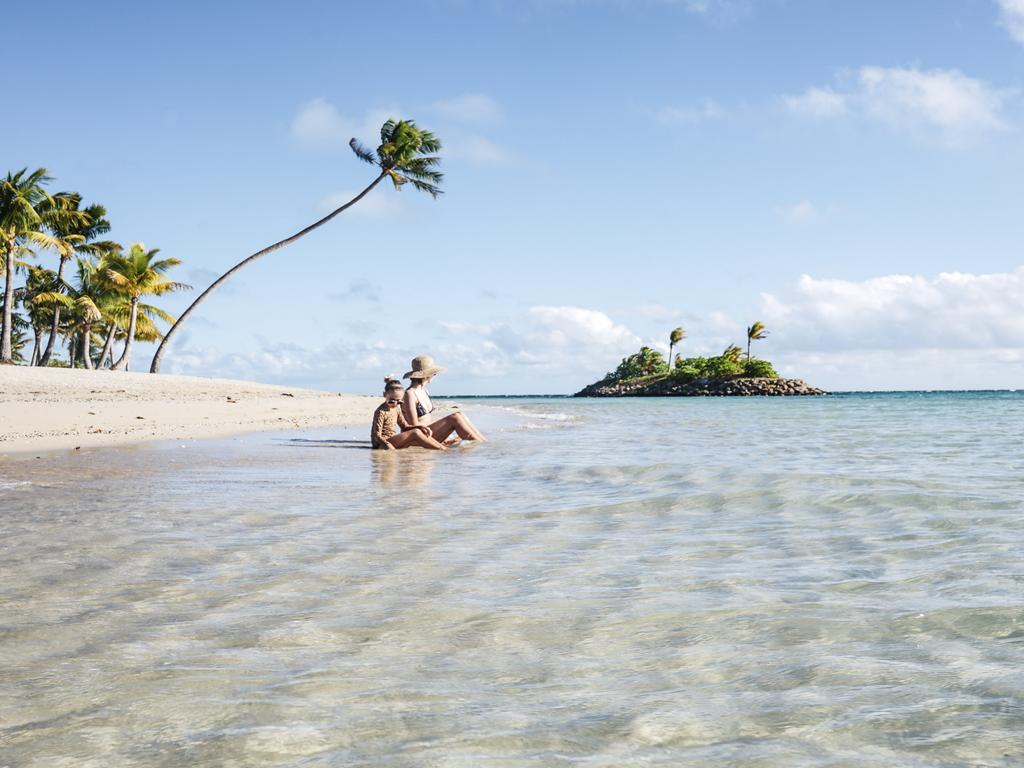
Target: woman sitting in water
[418, 410]
[388, 418]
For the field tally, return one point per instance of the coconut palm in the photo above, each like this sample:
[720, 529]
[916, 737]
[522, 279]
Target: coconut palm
[406, 155]
[19, 340]
[755, 332]
[136, 274]
[27, 211]
[40, 297]
[116, 316]
[77, 236]
[674, 338]
[88, 295]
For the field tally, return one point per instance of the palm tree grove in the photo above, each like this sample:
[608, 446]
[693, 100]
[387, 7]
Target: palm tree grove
[90, 306]
[74, 299]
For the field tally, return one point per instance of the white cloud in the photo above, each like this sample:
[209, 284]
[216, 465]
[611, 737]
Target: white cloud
[470, 108]
[546, 337]
[951, 311]
[1012, 17]
[800, 213]
[818, 102]
[727, 10]
[708, 110]
[319, 124]
[549, 348]
[382, 202]
[338, 365]
[945, 102]
[946, 99]
[953, 330]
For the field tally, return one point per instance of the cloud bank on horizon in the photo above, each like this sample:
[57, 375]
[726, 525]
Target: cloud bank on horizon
[895, 331]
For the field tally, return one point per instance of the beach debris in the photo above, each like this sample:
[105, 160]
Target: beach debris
[287, 394]
[140, 417]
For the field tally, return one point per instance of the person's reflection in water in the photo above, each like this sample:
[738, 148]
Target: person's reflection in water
[407, 469]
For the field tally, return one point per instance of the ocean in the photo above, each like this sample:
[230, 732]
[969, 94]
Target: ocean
[761, 582]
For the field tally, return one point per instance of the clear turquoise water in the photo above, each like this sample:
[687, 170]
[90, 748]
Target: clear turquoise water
[705, 582]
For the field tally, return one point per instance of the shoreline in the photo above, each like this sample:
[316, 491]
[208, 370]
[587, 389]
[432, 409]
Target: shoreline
[55, 409]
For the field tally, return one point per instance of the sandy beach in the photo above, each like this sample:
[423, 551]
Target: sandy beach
[45, 409]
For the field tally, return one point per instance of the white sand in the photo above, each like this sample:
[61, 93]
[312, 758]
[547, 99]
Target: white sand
[43, 409]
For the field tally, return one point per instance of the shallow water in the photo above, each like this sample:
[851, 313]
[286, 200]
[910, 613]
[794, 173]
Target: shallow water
[731, 582]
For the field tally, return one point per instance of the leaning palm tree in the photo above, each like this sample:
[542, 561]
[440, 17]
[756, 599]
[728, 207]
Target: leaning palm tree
[27, 212]
[406, 155]
[674, 338]
[77, 236]
[755, 332]
[136, 274]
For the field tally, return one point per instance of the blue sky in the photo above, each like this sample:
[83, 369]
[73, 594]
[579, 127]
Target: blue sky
[849, 173]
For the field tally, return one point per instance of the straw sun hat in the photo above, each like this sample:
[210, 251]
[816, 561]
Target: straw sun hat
[422, 367]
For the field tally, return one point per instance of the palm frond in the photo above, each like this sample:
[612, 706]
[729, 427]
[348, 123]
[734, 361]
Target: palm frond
[424, 186]
[363, 152]
[88, 309]
[159, 289]
[52, 298]
[150, 311]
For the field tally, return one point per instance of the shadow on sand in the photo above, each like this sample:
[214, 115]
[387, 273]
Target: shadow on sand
[299, 442]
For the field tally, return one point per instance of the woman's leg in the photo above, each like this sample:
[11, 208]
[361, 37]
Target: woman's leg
[414, 438]
[458, 423]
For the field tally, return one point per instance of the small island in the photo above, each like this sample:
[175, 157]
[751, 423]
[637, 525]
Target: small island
[730, 374]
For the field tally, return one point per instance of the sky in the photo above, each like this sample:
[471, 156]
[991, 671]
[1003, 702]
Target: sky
[848, 173]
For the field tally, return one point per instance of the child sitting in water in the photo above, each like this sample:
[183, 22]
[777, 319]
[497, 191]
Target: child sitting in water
[388, 418]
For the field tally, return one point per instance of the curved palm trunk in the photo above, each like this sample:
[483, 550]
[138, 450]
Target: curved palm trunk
[748, 349]
[6, 350]
[56, 319]
[108, 347]
[122, 363]
[158, 357]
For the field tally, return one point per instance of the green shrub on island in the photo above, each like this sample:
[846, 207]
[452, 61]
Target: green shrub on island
[692, 368]
[756, 368]
[646, 362]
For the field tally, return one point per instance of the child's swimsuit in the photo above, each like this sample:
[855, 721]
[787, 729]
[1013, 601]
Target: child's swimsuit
[386, 421]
